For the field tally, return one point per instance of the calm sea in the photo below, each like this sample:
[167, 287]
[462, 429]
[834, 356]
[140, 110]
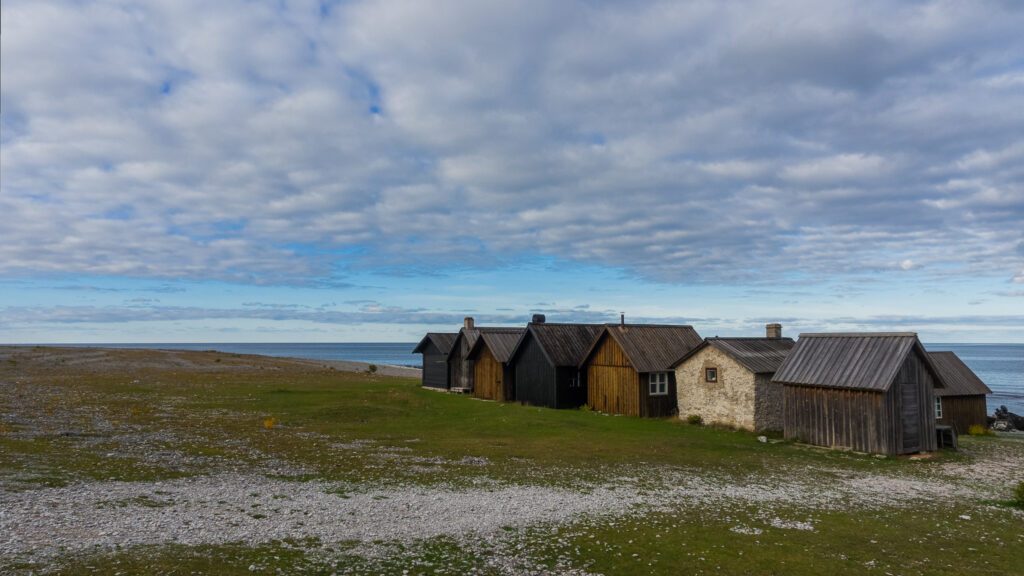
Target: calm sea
[1001, 366]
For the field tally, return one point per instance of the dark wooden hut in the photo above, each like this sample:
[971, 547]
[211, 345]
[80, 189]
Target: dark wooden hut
[435, 348]
[960, 403]
[546, 362]
[872, 392]
[628, 368]
[461, 368]
[493, 378]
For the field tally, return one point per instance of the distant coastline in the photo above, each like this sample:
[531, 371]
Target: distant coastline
[389, 353]
[1000, 366]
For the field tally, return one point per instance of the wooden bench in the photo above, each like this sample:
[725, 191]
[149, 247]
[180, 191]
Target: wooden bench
[947, 437]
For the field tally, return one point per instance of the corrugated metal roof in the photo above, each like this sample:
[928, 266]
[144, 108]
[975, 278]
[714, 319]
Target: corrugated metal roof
[443, 341]
[959, 379]
[865, 361]
[650, 347]
[759, 355]
[565, 344]
[500, 341]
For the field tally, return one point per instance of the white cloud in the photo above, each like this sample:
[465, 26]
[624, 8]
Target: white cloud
[681, 141]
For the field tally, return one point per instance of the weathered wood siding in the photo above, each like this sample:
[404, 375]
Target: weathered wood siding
[917, 406]
[435, 367]
[962, 412]
[460, 368]
[613, 386]
[900, 420]
[837, 418]
[488, 377]
[534, 376]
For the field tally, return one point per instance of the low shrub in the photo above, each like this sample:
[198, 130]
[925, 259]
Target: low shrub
[372, 369]
[694, 419]
[586, 408]
[979, 430]
[1018, 495]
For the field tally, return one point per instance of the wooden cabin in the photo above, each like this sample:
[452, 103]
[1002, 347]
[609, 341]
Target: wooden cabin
[546, 363]
[871, 392]
[961, 402]
[728, 381]
[629, 368]
[462, 368]
[435, 348]
[493, 378]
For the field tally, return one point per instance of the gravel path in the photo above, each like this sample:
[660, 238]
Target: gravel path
[253, 509]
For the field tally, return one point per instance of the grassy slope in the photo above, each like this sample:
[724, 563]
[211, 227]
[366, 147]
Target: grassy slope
[215, 417]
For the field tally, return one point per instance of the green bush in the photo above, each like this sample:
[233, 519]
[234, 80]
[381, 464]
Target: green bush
[1018, 495]
[694, 419]
[586, 408]
[372, 368]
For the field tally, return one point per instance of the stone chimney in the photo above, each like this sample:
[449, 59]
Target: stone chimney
[468, 323]
[773, 330]
[539, 318]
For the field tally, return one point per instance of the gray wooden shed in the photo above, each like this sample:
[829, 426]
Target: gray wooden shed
[871, 392]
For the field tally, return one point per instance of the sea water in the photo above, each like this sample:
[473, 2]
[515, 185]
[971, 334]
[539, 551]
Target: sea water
[1000, 366]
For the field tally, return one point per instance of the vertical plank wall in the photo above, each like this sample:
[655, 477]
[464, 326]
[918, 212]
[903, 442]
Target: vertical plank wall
[962, 412]
[852, 419]
[435, 367]
[534, 375]
[613, 386]
[487, 376]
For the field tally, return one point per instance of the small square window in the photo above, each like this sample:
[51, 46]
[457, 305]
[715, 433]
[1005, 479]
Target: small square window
[658, 383]
[711, 374]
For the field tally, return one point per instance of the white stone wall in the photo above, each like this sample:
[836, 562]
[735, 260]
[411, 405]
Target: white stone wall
[739, 398]
[728, 402]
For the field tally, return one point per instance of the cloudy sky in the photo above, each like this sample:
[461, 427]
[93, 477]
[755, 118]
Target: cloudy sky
[366, 171]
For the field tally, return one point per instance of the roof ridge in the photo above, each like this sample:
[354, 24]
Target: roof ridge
[627, 325]
[857, 334]
[748, 338]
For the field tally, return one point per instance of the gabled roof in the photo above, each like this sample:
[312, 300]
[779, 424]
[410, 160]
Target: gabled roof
[648, 347]
[443, 341]
[759, 355]
[959, 380]
[563, 344]
[863, 361]
[500, 341]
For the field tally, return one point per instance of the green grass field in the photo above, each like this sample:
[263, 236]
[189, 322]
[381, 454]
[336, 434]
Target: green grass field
[154, 420]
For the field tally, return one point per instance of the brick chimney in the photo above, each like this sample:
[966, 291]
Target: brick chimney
[773, 330]
[468, 323]
[539, 318]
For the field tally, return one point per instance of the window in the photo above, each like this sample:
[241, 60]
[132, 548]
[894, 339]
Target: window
[574, 381]
[659, 383]
[711, 374]
[938, 407]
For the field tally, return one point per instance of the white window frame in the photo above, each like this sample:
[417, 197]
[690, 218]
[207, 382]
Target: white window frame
[938, 407]
[657, 383]
[706, 369]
